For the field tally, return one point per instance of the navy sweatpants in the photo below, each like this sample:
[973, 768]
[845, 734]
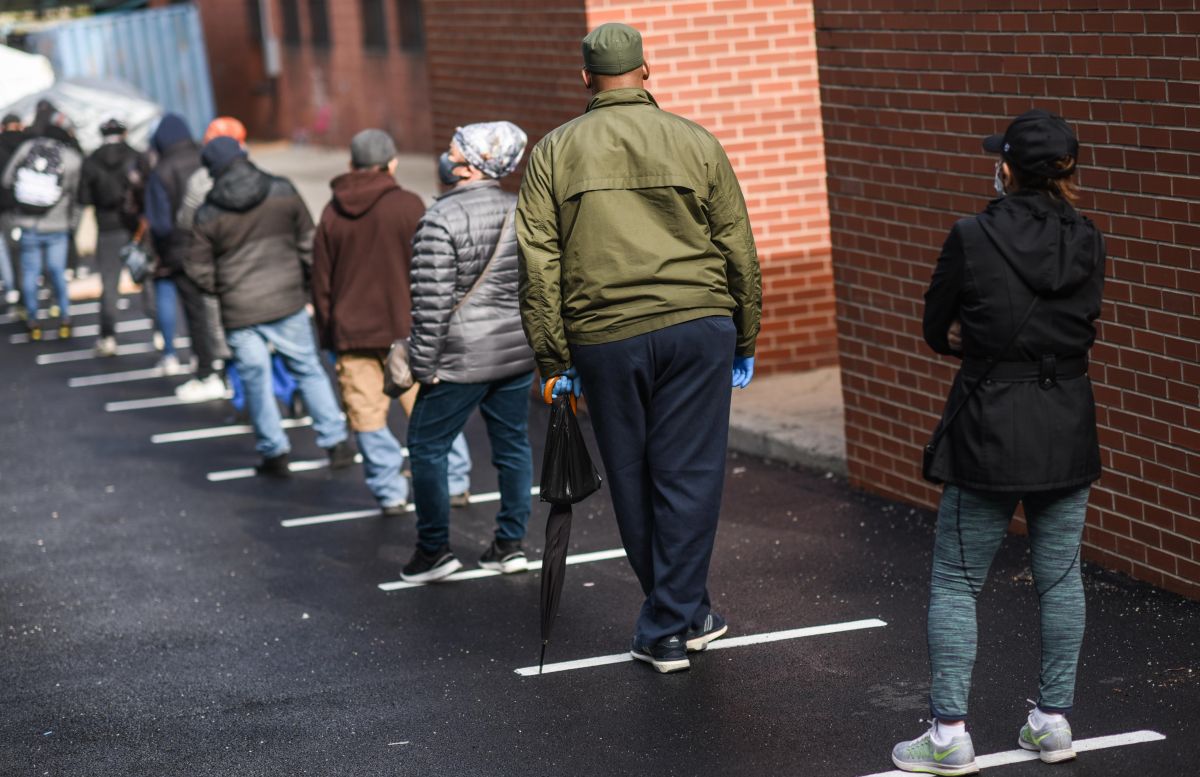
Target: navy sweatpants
[660, 408]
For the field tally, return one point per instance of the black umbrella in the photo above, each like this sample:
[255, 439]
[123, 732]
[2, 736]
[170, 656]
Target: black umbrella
[568, 476]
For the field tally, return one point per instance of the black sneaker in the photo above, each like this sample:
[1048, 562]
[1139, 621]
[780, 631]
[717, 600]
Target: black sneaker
[666, 655]
[429, 568]
[714, 627]
[274, 466]
[505, 557]
[341, 455]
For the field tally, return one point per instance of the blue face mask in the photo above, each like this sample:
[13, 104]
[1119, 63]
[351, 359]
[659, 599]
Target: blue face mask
[446, 168]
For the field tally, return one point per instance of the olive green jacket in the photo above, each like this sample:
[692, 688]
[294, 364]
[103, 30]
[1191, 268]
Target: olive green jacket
[630, 219]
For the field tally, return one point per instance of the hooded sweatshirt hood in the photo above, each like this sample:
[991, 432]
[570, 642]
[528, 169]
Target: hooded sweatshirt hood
[171, 131]
[241, 187]
[1044, 240]
[113, 156]
[355, 193]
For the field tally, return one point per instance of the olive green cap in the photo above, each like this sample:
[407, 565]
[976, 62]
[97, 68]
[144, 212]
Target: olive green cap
[612, 49]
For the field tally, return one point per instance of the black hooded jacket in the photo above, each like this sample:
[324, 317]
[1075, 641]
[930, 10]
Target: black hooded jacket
[1015, 433]
[253, 246]
[106, 172]
[10, 141]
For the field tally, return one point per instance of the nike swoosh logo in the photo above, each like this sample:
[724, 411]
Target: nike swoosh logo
[1038, 740]
[939, 757]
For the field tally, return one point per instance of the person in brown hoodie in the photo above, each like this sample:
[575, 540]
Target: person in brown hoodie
[362, 255]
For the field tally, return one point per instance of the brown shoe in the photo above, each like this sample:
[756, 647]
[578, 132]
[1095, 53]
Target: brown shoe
[460, 500]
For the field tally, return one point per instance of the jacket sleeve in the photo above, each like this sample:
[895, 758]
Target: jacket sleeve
[74, 184]
[200, 264]
[539, 267]
[10, 170]
[321, 282]
[305, 229]
[197, 189]
[944, 296]
[87, 176]
[433, 275]
[729, 227]
[158, 209]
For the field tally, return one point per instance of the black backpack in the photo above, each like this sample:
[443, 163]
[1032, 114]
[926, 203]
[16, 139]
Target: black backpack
[111, 185]
[38, 180]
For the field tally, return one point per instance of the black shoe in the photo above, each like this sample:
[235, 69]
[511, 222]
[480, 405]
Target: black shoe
[341, 455]
[274, 466]
[505, 557]
[666, 655]
[35, 333]
[424, 568]
[391, 511]
[714, 627]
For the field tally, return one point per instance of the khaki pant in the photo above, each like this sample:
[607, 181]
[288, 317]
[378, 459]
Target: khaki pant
[360, 378]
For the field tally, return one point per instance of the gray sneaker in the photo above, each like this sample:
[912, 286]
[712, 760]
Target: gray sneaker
[1052, 743]
[921, 755]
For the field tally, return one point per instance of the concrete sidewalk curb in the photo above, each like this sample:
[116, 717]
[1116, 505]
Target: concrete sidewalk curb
[796, 418]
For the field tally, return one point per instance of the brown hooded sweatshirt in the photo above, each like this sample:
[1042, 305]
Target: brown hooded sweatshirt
[361, 261]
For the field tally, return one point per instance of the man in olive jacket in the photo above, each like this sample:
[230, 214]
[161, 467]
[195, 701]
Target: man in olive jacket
[640, 280]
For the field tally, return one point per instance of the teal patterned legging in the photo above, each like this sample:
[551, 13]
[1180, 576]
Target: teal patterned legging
[971, 524]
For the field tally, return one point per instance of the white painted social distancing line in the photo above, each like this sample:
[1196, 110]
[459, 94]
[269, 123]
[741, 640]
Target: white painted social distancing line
[79, 309]
[476, 574]
[124, 377]
[720, 644]
[1017, 756]
[91, 330]
[307, 465]
[153, 402]
[353, 515]
[213, 432]
[86, 354]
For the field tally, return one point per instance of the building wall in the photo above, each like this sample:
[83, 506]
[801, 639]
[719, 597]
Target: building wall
[744, 69]
[907, 91]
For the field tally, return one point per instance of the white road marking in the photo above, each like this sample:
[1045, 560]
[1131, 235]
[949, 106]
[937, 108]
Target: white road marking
[475, 574]
[90, 330]
[1017, 756]
[307, 465]
[291, 523]
[124, 377]
[153, 402]
[222, 431]
[720, 644]
[90, 353]
[79, 309]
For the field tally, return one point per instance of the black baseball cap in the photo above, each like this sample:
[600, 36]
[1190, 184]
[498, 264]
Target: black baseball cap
[1034, 141]
[113, 127]
[10, 118]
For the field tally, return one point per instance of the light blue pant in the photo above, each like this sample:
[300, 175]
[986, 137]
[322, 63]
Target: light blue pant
[383, 458]
[292, 338]
[7, 279]
[970, 527]
[52, 248]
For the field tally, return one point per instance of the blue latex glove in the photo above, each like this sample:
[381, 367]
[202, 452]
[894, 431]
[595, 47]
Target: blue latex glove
[568, 380]
[743, 371]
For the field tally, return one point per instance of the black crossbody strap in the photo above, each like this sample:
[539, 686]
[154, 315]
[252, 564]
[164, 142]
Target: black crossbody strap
[504, 230]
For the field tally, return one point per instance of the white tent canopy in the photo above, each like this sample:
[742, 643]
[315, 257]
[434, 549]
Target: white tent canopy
[88, 103]
[22, 74]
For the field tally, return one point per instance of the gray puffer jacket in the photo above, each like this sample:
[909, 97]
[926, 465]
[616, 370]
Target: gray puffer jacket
[482, 340]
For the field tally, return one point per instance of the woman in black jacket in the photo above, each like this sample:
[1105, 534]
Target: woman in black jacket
[1015, 294]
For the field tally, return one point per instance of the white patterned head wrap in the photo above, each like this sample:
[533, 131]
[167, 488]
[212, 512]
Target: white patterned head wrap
[494, 147]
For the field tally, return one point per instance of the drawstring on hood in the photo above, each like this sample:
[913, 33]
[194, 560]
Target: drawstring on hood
[1044, 240]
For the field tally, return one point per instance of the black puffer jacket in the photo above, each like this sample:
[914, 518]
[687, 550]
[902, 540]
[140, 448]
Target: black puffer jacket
[1015, 434]
[482, 341]
[253, 246]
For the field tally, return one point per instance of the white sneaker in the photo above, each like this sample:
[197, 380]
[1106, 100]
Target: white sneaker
[202, 390]
[169, 365]
[159, 342]
[106, 346]
[12, 296]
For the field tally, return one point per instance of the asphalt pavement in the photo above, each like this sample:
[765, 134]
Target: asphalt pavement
[156, 620]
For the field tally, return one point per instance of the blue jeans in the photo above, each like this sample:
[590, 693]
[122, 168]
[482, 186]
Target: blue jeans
[970, 527]
[383, 458]
[7, 279]
[51, 247]
[292, 339]
[166, 311]
[441, 412]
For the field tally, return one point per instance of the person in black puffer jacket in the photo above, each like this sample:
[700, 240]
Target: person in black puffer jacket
[253, 249]
[467, 348]
[1015, 295]
[106, 179]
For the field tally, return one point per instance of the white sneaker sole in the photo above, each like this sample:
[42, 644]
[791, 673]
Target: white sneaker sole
[697, 644]
[924, 767]
[506, 567]
[435, 574]
[662, 666]
[1047, 756]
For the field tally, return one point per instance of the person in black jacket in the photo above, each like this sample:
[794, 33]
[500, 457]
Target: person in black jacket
[12, 135]
[1015, 295]
[105, 185]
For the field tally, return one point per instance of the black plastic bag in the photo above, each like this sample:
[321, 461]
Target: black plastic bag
[568, 475]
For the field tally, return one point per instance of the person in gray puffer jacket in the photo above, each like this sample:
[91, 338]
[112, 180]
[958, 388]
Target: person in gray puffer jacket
[467, 348]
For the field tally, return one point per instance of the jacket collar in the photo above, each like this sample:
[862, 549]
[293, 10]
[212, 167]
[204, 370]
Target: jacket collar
[622, 97]
[469, 187]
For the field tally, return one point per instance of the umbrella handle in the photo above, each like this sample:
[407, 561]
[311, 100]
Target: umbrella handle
[548, 394]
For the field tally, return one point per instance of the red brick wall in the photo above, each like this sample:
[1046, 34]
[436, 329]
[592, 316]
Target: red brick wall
[323, 94]
[745, 69]
[908, 88]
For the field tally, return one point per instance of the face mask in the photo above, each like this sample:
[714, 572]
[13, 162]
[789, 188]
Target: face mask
[446, 168]
[998, 182]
